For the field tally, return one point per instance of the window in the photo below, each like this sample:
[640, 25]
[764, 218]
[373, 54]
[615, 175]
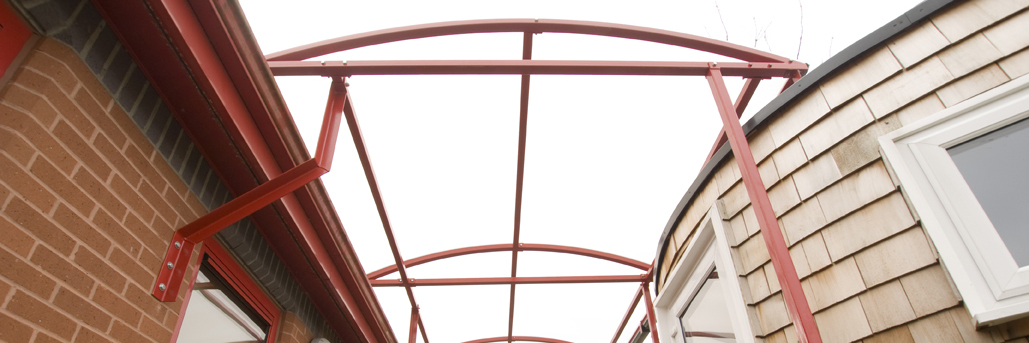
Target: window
[224, 304]
[964, 170]
[702, 301]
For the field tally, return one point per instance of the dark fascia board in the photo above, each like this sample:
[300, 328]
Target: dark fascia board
[811, 80]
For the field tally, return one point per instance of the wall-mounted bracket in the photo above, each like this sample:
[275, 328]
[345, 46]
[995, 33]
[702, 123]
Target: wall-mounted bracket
[176, 260]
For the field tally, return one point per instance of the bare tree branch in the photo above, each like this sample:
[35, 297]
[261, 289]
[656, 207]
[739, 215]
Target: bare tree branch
[719, 10]
[801, 40]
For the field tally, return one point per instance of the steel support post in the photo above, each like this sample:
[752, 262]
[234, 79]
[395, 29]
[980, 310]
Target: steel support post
[176, 260]
[373, 185]
[523, 123]
[628, 313]
[651, 318]
[412, 336]
[742, 100]
[793, 294]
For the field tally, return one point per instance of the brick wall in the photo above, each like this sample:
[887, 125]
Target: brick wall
[78, 25]
[88, 208]
[866, 266]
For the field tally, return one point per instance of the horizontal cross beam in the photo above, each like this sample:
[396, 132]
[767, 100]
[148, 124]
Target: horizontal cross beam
[510, 280]
[532, 67]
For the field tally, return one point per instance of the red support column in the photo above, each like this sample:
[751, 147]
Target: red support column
[793, 294]
[413, 336]
[628, 313]
[651, 318]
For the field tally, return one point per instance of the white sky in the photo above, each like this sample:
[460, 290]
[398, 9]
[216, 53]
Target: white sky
[607, 157]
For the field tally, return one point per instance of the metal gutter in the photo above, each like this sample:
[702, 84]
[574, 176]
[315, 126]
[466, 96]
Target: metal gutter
[228, 104]
[809, 81]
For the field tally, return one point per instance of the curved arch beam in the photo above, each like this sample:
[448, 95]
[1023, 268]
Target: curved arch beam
[507, 247]
[524, 25]
[519, 338]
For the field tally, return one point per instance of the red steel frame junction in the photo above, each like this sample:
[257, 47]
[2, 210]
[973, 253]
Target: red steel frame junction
[751, 64]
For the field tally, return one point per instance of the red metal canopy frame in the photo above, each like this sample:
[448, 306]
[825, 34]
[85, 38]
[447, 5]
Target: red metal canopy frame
[756, 65]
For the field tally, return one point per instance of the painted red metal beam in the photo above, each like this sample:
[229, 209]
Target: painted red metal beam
[651, 318]
[742, 100]
[518, 338]
[412, 336]
[628, 314]
[534, 67]
[380, 206]
[793, 293]
[172, 269]
[521, 280]
[523, 123]
[525, 25]
[507, 247]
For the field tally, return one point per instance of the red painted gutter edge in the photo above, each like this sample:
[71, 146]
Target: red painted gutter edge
[249, 140]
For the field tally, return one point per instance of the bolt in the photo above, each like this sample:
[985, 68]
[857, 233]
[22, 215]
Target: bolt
[323, 62]
[769, 65]
[750, 64]
[178, 245]
[714, 64]
[344, 62]
[170, 265]
[347, 84]
[161, 287]
[537, 20]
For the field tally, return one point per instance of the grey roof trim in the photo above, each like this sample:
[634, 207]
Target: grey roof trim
[836, 62]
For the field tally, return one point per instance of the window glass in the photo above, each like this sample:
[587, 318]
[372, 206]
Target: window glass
[706, 318]
[216, 314]
[996, 168]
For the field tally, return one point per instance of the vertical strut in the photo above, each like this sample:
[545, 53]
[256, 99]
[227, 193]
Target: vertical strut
[651, 319]
[793, 294]
[523, 122]
[373, 185]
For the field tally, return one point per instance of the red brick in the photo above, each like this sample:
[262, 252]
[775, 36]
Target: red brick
[60, 184]
[101, 117]
[155, 330]
[80, 148]
[23, 183]
[61, 269]
[131, 198]
[118, 160]
[148, 259]
[21, 97]
[38, 136]
[167, 173]
[34, 223]
[4, 288]
[86, 335]
[100, 269]
[16, 146]
[99, 192]
[11, 330]
[51, 67]
[122, 333]
[131, 268]
[183, 210]
[150, 238]
[58, 99]
[15, 239]
[142, 164]
[116, 231]
[82, 309]
[45, 338]
[23, 274]
[78, 227]
[115, 304]
[144, 301]
[157, 202]
[124, 121]
[39, 313]
[63, 53]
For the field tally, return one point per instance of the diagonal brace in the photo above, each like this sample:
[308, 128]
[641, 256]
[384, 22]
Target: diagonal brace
[176, 260]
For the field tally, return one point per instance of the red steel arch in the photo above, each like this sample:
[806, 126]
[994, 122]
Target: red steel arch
[507, 247]
[757, 65]
[518, 338]
[525, 25]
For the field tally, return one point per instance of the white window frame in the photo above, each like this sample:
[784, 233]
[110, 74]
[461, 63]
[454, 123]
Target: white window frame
[708, 249]
[992, 285]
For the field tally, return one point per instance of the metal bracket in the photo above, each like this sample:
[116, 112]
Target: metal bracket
[176, 260]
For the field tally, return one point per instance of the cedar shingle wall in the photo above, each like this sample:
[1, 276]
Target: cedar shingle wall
[88, 206]
[866, 266]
